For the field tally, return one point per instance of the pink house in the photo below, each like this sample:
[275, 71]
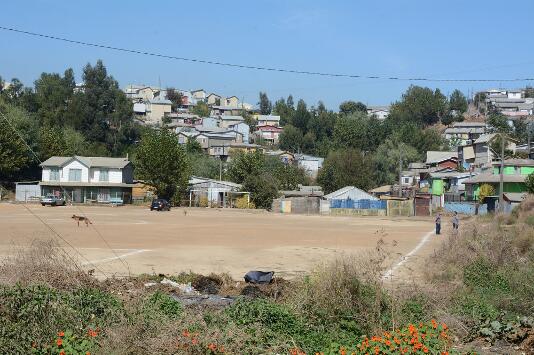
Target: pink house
[270, 134]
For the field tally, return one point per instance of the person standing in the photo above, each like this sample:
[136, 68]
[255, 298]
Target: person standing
[438, 223]
[455, 222]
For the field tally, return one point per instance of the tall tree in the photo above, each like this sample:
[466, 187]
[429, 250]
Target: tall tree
[53, 95]
[350, 107]
[421, 106]
[265, 104]
[387, 158]
[175, 97]
[162, 162]
[358, 131]
[51, 142]
[291, 139]
[244, 165]
[284, 110]
[17, 129]
[458, 102]
[301, 116]
[345, 168]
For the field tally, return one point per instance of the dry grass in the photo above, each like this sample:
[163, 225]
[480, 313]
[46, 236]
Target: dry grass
[44, 262]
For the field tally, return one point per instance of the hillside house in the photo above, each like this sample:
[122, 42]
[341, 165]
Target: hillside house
[156, 109]
[213, 99]
[514, 175]
[198, 95]
[268, 120]
[227, 121]
[285, 156]
[217, 110]
[88, 179]
[242, 128]
[268, 133]
[464, 132]
[309, 163]
[478, 154]
[442, 159]
[380, 112]
[232, 101]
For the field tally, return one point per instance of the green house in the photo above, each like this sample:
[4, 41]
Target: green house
[515, 173]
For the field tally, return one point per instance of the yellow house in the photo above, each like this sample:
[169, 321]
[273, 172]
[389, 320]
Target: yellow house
[230, 101]
[214, 99]
[156, 109]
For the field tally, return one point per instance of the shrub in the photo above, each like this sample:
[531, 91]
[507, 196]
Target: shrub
[243, 203]
[165, 305]
[485, 191]
[482, 275]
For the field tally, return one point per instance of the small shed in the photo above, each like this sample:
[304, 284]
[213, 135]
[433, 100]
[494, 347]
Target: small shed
[349, 193]
[27, 191]
[217, 193]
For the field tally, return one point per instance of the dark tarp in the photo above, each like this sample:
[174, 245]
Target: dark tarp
[259, 277]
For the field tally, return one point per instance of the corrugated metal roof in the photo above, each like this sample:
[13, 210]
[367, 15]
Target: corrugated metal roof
[517, 162]
[493, 178]
[347, 189]
[436, 156]
[90, 162]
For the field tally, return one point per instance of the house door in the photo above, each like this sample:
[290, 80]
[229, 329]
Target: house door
[422, 207]
[103, 195]
[77, 195]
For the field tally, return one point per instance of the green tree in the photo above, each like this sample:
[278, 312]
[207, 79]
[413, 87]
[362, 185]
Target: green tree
[53, 95]
[291, 139]
[288, 176]
[206, 166]
[387, 158]
[175, 97]
[345, 168]
[193, 146]
[245, 164]
[162, 163]
[51, 142]
[16, 129]
[498, 123]
[265, 104]
[284, 110]
[358, 131]
[75, 143]
[301, 117]
[350, 107]
[529, 181]
[458, 102]
[263, 190]
[421, 106]
[201, 109]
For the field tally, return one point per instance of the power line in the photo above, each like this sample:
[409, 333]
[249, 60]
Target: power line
[254, 67]
[77, 207]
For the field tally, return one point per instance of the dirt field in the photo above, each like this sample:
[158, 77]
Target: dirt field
[209, 240]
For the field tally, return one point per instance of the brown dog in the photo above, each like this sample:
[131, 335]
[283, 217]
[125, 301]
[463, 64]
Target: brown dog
[82, 219]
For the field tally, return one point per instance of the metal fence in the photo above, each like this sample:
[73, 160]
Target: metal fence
[363, 204]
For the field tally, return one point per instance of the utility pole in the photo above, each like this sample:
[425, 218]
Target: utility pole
[400, 173]
[220, 169]
[529, 135]
[501, 176]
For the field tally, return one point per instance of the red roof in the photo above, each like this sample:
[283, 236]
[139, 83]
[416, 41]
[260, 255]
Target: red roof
[269, 128]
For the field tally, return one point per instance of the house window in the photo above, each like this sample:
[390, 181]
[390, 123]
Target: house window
[104, 175]
[75, 174]
[54, 174]
[406, 180]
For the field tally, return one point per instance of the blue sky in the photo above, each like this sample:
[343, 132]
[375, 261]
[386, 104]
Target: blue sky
[439, 39]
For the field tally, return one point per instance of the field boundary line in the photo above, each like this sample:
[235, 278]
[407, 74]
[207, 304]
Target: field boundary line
[405, 258]
[105, 260]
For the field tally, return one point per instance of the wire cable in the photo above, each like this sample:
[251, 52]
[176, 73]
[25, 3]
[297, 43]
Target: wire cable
[255, 67]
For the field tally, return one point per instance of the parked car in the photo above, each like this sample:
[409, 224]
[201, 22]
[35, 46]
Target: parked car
[52, 200]
[160, 205]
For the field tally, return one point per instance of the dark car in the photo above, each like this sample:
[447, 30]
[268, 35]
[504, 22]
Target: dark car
[160, 205]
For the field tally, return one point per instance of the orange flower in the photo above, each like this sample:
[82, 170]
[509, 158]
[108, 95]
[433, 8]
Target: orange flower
[444, 326]
[425, 349]
[88, 353]
[387, 342]
[443, 335]
[59, 342]
[186, 333]
[445, 353]
[194, 341]
[61, 352]
[434, 324]
[396, 340]
[92, 333]
[60, 334]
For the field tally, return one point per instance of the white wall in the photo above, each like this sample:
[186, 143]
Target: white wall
[114, 175]
[311, 166]
[64, 173]
[88, 175]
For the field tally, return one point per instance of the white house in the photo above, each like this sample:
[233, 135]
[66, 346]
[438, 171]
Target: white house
[242, 128]
[217, 192]
[349, 193]
[309, 163]
[86, 179]
[268, 120]
[380, 112]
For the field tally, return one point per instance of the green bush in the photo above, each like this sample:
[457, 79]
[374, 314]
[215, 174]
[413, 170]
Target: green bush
[165, 305]
[484, 276]
[275, 317]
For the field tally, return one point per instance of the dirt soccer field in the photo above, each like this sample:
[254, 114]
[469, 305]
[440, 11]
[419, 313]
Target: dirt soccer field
[210, 240]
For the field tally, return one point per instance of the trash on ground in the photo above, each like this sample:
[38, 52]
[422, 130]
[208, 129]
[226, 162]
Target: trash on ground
[259, 277]
[204, 300]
